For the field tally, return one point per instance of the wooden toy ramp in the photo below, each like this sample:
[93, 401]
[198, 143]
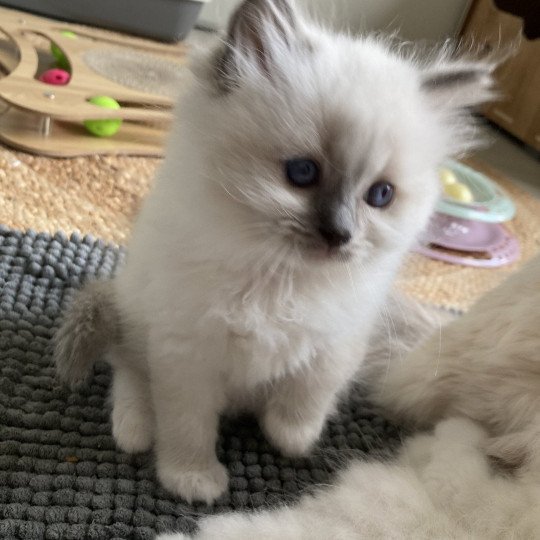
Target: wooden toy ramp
[48, 119]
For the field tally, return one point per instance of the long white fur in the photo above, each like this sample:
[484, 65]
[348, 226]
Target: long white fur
[440, 486]
[484, 366]
[226, 306]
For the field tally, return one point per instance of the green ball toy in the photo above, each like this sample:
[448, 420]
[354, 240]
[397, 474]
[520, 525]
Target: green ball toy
[107, 127]
[61, 61]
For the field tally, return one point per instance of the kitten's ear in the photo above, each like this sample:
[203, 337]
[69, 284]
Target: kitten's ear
[459, 83]
[259, 32]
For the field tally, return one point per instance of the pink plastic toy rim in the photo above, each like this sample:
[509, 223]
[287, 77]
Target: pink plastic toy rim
[507, 253]
[463, 234]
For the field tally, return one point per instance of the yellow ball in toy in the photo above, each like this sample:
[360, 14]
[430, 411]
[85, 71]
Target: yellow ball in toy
[106, 127]
[447, 177]
[459, 192]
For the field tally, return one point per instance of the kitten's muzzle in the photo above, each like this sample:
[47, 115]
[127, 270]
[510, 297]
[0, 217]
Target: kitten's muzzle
[336, 223]
[335, 236]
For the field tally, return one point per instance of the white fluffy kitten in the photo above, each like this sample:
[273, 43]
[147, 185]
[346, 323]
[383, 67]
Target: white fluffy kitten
[301, 168]
[484, 366]
[440, 486]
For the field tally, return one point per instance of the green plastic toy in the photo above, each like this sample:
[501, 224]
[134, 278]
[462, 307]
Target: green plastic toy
[105, 127]
[61, 61]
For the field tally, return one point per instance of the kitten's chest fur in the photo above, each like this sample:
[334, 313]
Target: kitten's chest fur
[273, 329]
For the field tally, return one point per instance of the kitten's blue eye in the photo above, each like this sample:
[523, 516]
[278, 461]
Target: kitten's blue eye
[380, 194]
[302, 172]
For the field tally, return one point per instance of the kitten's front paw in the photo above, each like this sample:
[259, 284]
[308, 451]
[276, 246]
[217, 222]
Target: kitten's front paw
[291, 438]
[132, 429]
[195, 485]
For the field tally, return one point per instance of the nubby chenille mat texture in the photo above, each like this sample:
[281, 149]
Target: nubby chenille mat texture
[61, 476]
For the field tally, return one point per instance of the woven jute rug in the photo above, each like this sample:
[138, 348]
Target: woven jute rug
[101, 196]
[60, 474]
[95, 195]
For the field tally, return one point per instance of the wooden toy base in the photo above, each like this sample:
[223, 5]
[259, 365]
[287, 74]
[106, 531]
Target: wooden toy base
[47, 119]
[27, 131]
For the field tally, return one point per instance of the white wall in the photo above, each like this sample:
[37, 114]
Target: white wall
[415, 19]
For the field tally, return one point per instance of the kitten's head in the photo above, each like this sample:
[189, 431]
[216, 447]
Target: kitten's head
[330, 142]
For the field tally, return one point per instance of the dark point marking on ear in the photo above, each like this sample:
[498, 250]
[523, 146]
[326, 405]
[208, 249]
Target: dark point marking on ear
[224, 69]
[457, 83]
[452, 78]
[253, 29]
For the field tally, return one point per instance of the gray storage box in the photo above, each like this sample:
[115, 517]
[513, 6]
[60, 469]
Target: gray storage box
[167, 20]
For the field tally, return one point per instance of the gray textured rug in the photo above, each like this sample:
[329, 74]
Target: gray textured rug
[60, 474]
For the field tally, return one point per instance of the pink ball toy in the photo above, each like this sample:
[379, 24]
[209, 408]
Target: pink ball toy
[55, 76]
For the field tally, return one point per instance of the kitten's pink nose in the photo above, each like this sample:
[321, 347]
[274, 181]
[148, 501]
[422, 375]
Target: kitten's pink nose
[335, 236]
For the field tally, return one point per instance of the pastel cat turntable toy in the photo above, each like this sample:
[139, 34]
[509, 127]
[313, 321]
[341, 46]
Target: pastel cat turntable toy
[467, 227]
[45, 103]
